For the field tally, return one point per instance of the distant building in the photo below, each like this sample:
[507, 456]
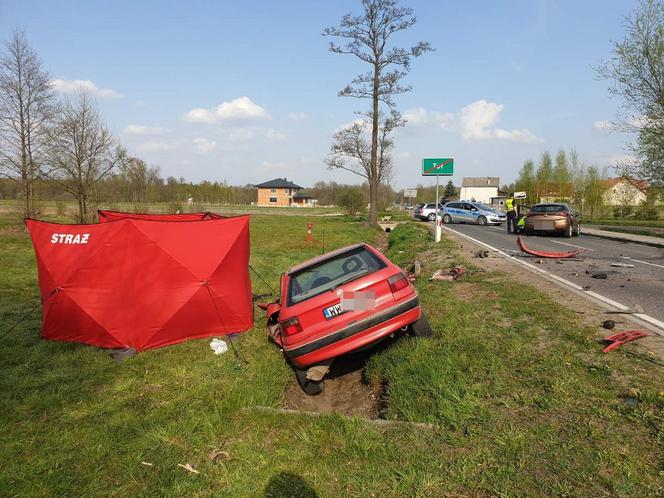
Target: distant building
[479, 189]
[277, 192]
[303, 198]
[624, 191]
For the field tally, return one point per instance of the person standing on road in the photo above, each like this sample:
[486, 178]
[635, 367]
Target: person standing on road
[510, 206]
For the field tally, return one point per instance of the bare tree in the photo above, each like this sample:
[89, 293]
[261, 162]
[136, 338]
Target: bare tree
[636, 74]
[26, 106]
[367, 36]
[351, 151]
[82, 150]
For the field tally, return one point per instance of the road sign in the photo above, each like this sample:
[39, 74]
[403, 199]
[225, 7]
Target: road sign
[409, 192]
[439, 166]
[519, 195]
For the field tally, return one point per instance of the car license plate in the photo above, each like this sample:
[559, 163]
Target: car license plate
[332, 311]
[544, 225]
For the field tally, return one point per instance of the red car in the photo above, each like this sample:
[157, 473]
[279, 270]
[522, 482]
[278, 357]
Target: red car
[337, 303]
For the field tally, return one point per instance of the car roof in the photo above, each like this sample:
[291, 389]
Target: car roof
[324, 257]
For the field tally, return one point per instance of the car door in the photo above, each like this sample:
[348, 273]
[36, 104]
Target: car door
[454, 209]
[470, 213]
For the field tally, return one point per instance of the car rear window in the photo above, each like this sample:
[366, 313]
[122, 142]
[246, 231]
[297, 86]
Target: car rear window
[549, 208]
[331, 273]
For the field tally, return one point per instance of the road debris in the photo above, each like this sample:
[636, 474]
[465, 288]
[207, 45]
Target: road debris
[189, 468]
[608, 324]
[147, 464]
[636, 309]
[600, 276]
[482, 254]
[546, 254]
[453, 274]
[622, 265]
[621, 338]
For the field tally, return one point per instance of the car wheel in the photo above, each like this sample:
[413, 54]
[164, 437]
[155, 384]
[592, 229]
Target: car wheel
[577, 232]
[431, 217]
[481, 220]
[310, 387]
[421, 327]
[447, 219]
[568, 231]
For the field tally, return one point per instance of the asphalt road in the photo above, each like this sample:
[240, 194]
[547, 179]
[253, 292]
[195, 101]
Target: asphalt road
[642, 284]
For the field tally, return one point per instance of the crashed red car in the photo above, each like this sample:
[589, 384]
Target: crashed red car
[337, 303]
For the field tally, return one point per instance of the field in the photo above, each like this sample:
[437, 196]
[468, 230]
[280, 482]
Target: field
[519, 397]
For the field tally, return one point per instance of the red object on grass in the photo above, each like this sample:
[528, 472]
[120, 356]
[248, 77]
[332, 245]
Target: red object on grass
[105, 216]
[546, 254]
[143, 284]
[622, 338]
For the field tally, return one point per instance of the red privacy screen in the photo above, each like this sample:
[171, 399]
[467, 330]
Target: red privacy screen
[105, 216]
[143, 284]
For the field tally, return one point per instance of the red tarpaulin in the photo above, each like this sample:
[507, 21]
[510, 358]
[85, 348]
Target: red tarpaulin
[143, 284]
[105, 216]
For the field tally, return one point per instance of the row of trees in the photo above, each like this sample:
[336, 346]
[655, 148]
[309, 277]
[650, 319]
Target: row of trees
[45, 139]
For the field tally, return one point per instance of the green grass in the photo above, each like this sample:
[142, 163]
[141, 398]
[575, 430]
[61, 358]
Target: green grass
[524, 402]
[635, 231]
[626, 223]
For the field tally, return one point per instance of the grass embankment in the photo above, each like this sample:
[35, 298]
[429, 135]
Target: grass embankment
[524, 402]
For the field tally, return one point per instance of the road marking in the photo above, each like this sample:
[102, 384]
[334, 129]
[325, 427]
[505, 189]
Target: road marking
[572, 245]
[644, 262]
[655, 325]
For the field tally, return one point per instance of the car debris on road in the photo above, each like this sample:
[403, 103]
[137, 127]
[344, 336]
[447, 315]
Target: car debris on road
[452, 275]
[547, 254]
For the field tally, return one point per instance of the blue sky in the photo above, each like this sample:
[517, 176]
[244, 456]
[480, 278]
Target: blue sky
[247, 91]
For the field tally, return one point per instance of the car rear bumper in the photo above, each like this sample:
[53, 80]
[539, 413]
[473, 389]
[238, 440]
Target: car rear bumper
[557, 225]
[355, 336]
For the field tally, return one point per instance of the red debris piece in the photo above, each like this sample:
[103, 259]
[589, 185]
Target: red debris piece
[623, 337]
[546, 254]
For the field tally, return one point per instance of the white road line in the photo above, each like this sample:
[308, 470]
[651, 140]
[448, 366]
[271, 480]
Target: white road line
[655, 325]
[644, 262]
[572, 245]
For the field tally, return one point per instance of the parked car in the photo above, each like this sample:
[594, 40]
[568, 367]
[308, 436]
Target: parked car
[426, 212]
[472, 212]
[337, 303]
[554, 217]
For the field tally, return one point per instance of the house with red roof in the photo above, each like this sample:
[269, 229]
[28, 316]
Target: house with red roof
[624, 191]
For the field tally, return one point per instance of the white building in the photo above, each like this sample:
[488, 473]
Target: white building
[479, 189]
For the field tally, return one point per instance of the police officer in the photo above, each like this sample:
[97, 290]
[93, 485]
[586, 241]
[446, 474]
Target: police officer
[510, 206]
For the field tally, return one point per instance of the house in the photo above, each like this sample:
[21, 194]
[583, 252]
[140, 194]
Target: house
[479, 189]
[277, 192]
[303, 198]
[624, 191]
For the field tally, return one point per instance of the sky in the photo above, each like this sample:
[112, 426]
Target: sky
[245, 92]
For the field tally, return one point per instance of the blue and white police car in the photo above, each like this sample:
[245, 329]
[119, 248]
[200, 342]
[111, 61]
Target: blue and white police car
[471, 212]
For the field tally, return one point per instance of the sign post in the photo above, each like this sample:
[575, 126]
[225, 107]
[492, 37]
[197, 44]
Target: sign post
[438, 166]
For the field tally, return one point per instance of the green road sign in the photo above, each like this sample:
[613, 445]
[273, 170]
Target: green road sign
[440, 166]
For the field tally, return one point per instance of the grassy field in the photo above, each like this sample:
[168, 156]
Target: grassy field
[522, 400]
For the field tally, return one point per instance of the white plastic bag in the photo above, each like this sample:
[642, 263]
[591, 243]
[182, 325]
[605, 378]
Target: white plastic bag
[218, 346]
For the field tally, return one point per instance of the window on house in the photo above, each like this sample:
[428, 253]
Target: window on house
[273, 190]
[273, 199]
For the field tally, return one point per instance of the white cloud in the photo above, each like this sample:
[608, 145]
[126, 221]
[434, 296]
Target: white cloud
[474, 122]
[240, 134]
[603, 125]
[419, 116]
[350, 124]
[156, 146]
[144, 130]
[203, 145]
[242, 108]
[296, 116]
[68, 86]
[272, 134]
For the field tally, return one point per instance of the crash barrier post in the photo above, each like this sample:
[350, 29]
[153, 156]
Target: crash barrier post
[309, 227]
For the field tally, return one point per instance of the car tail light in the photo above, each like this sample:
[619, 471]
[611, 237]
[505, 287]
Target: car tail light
[397, 282]
[291, 326]
[563, 213]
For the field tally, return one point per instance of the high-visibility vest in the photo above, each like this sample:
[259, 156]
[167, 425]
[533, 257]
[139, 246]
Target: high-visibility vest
[509, 204]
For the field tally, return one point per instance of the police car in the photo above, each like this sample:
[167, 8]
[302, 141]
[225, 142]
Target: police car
[471, 212]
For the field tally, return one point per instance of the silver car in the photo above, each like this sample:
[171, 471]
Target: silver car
[472, 212]
[426, 212]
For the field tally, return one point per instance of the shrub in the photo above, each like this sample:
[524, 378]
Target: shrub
[352, 201]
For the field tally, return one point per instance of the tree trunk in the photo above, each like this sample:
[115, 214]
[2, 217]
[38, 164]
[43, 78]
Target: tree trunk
[373, 177]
